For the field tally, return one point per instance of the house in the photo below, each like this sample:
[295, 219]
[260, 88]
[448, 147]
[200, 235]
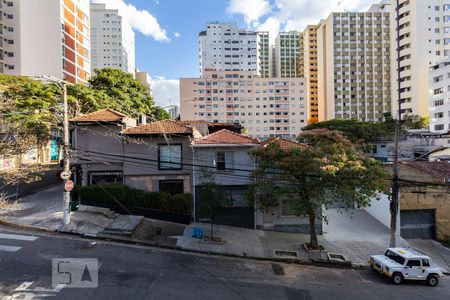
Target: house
[158, 156]
[98, 146]
[425, 199]
[281, 217]
[229, 156]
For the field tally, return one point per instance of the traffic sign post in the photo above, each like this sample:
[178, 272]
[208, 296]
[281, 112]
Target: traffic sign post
[69, 185]
[65, 175]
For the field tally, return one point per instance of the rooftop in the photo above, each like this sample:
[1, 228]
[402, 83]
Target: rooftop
[437, 169]
[160, 127]
[225, 137]
[103, 115]
[284, 144]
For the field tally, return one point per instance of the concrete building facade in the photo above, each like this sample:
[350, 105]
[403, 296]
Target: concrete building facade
[307, 67]
[287, 48]
[439, 82]
[144, 78]
[353, 63]
[46, 38]
[266, 107]
[225, 47]
[112, 40]
[424, 34]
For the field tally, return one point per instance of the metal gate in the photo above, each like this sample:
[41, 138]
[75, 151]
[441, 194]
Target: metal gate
[417, 224]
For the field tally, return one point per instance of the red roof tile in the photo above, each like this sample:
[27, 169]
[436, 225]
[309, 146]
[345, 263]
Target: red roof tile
[103, 115]
[284, 144]
[160, 127]
[438, 169]
[225, 137]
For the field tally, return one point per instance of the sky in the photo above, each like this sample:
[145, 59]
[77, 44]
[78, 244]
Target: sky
[167, 30]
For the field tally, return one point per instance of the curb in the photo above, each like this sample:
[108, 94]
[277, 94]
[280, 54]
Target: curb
[23, 226]
[111, 238]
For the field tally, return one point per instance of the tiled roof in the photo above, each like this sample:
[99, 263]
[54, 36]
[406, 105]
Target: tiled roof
[160, 127]
[103, 115]
[283, 143]
[438, 169]
[225, 137]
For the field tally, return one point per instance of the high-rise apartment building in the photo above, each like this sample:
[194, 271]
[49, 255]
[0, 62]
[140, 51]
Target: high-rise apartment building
[225, 47]
[272, 61]
[266, 107]
[439, 99]
[307, 67]
[112, 40]
[287, 48]
[424, 34]
[48, 37]
[353, 64]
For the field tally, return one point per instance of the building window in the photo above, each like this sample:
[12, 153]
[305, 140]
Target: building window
[439, 115]
[105, 178]
[169, 157]
[439, 127]
[224, 160]
[171, 186]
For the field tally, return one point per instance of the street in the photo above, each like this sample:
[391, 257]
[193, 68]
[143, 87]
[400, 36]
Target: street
[136, 272]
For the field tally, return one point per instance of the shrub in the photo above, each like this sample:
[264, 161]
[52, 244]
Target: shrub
[111, 194]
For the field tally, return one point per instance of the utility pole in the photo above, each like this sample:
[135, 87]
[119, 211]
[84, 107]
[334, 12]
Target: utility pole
[66, 167]
[65, 174]
[395, 184]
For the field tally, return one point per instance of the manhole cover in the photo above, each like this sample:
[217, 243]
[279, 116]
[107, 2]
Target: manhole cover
[277, 269]
[286, 254]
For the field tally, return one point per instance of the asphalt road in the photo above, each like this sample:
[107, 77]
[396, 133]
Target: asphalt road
[135, 272]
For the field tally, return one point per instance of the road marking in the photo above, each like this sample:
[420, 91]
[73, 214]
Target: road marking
[24, 292]
[18, 237]
[9, 248]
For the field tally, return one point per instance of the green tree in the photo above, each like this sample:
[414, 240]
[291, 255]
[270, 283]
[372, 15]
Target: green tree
[130, 94]
[327, 170]
[158, 113]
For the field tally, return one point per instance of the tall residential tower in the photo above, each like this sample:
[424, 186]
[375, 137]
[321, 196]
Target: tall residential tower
[225, 47]
[112, 40]
[48, 37]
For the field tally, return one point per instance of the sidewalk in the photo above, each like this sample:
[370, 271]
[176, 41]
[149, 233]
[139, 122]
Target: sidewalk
[357, 236]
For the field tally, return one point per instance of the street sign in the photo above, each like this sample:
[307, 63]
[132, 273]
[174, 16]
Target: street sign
[69, 185]
[64, 175]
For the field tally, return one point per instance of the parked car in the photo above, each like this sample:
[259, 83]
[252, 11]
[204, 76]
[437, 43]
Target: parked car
[406, 264]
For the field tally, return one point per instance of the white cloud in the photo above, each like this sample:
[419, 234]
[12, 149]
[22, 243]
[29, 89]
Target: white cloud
[140, 20]
[166, 91]
[252, 10]
[176, 34]
[286, 15]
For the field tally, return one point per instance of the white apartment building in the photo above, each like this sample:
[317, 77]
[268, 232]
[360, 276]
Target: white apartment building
[287, 49]
[424, 28]
[48, 37]
[353, 65]
[112, 40]
[265, 107]
[225, 47]
[439, 99]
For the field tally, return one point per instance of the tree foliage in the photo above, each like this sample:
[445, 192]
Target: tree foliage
[329, 169]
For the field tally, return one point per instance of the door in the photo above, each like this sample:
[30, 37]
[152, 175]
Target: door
[414, 269]
[417, 224]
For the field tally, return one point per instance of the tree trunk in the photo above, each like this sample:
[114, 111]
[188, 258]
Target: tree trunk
[312, 231]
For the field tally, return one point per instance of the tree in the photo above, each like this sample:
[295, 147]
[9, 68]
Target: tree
[158, 113]
[327, 169]
[130, 94]
[210, 197]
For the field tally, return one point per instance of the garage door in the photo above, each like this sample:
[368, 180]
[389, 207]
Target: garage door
[417, 224]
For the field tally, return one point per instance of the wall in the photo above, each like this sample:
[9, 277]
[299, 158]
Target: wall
[380, 209]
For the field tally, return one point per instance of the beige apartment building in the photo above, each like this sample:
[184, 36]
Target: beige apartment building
[265, 107]
[353, 63]
[307, 67]
[424, 40]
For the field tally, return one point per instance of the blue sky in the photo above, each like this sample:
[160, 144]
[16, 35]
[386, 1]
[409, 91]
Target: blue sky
[167, 30]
